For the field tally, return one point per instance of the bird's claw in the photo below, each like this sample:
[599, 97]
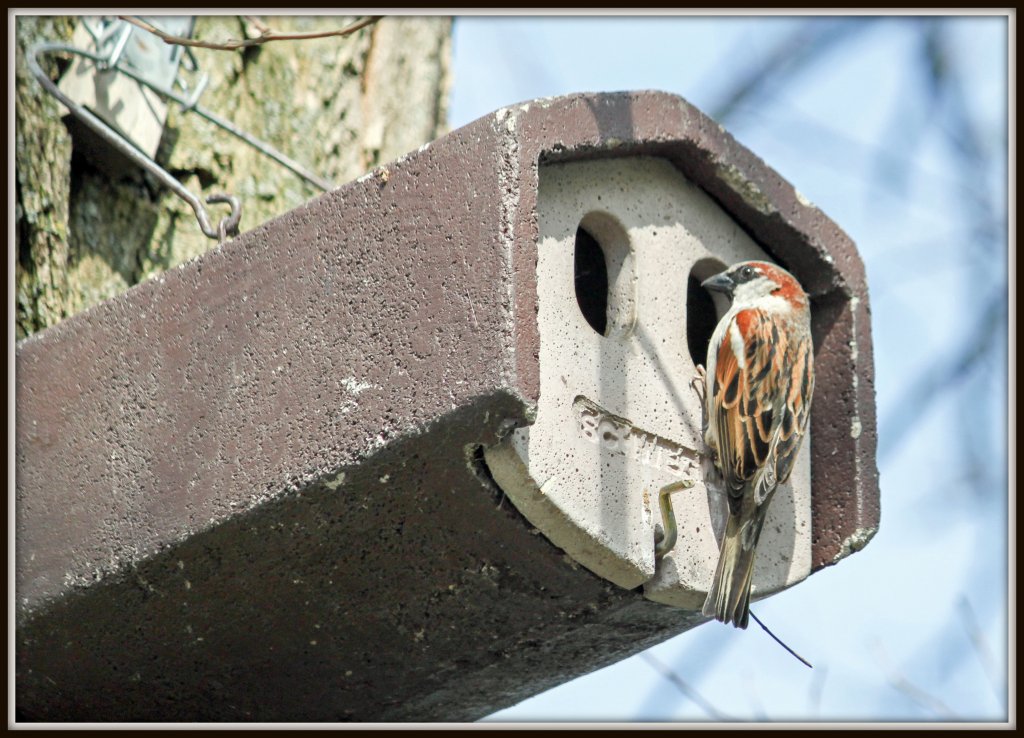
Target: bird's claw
[699, 384]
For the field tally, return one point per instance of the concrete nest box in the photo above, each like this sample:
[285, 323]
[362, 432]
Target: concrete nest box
[271, 484]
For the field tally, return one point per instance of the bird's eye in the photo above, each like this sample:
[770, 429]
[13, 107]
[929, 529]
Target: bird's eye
[747, 272]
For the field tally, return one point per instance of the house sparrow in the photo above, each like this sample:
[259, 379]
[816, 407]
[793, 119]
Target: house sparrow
[758, 386]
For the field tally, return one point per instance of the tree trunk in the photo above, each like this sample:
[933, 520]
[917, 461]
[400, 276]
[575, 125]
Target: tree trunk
[340, 106]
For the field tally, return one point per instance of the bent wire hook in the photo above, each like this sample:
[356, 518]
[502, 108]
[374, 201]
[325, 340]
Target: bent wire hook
[668, 517]
[229, 224]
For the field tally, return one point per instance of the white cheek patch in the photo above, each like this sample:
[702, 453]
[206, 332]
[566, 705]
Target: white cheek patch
[736, 344]
[773, 304]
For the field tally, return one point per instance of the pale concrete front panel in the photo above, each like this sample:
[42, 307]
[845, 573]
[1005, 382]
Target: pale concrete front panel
[617, 418]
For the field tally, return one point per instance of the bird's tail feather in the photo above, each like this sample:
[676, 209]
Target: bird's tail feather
[729, 597]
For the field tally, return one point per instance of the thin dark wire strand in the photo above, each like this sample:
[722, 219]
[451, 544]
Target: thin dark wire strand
[797, 656]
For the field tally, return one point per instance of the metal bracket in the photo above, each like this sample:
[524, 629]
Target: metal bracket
[156, 72]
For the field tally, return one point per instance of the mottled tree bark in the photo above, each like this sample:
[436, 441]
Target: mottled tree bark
[339, 106]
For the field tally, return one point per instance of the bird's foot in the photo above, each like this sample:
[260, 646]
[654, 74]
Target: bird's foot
[699, 384]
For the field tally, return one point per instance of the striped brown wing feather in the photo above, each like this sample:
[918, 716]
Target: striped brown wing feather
[759, 413]
[797, 410]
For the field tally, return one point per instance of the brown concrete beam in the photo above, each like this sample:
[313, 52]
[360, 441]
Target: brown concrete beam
[251, 489]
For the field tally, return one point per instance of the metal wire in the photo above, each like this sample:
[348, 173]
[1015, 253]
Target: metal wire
[190, 104]
[229, 224]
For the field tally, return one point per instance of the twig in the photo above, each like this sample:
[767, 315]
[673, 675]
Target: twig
[800, 50]
[265, 36]
[686, 689]
[262, 27]
[944, 374]
[981, 649]
[910, 690]
[817, 689]
[749, 690]
[764, 627]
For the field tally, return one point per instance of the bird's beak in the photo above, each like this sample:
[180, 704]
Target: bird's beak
[719, 283]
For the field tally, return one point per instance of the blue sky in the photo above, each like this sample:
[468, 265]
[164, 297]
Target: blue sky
[914, 627]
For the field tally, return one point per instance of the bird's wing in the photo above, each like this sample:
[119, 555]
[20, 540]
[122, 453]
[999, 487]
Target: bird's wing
[797, 408]
[759, 412]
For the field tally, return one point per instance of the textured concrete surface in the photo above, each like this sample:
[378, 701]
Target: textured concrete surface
[617, 419]
[252, 489]
[845, 504]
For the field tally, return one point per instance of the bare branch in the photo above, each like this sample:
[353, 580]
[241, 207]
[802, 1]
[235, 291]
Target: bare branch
[943, 375]
[817, 690]
[800, 50]
[266, 34]
[981, 648]
[911, 691]
[914, 693]
[682, 686]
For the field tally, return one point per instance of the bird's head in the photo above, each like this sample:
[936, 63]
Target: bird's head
[752, 281]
